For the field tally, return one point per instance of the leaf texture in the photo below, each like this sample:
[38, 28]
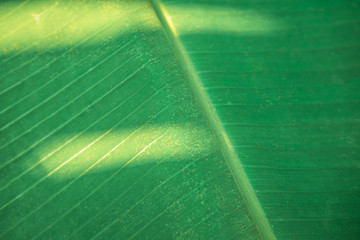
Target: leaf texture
[100, 135]
[283, 78]
[179, 120]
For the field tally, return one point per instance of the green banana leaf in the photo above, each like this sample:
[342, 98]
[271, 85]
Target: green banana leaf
[180, 119]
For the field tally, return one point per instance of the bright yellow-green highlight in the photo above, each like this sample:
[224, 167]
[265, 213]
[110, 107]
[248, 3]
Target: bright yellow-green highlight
[101, 151]
[45, 24]
[206, 19]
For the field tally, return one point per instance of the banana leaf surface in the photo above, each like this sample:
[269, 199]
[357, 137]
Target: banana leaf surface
[186, 119]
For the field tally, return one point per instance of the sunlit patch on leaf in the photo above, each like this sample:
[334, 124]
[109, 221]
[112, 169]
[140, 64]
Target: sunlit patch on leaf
[112, 149]
[43, 25]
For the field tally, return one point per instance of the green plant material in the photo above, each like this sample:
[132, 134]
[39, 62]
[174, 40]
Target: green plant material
[101, 136]
[179, 119]
[283, 78]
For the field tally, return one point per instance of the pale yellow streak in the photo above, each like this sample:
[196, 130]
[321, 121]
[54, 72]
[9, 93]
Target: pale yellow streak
[197, 18]
[34, 25]
[184, 141]
[168, 19]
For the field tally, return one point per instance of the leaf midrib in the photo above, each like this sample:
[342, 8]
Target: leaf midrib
[214, 122]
